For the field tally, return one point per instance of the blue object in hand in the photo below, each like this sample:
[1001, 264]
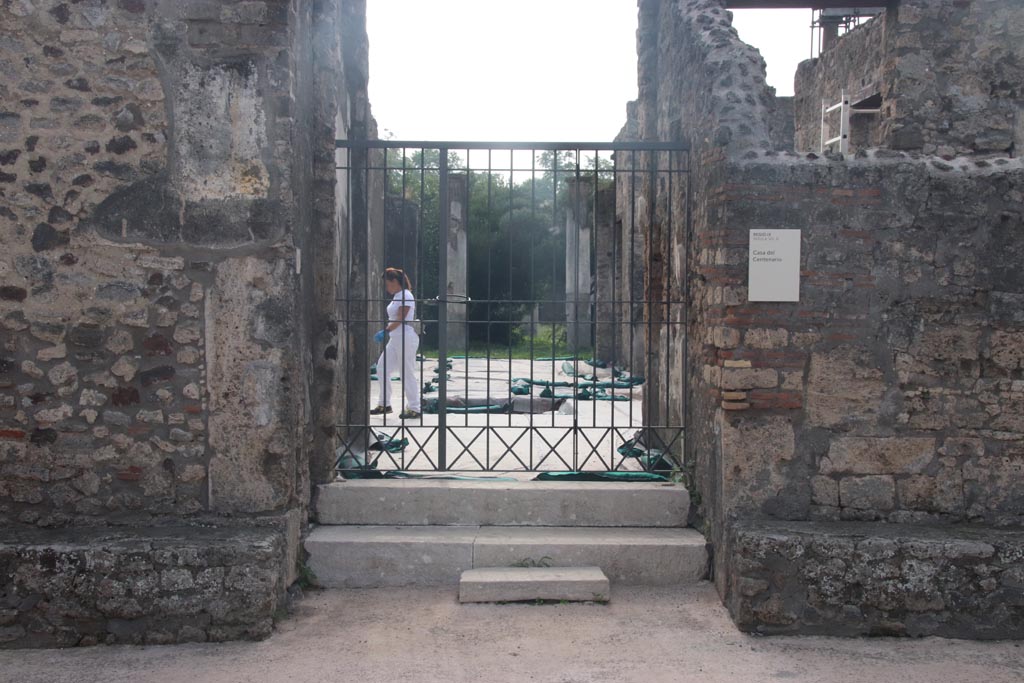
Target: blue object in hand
[379, 337]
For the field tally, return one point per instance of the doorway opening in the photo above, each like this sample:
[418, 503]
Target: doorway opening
[550, 332]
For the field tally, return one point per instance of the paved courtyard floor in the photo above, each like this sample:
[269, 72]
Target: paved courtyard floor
[577, 435]
[645, 635]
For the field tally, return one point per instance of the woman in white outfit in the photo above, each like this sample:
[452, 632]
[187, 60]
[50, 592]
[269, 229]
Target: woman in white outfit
[403, 342]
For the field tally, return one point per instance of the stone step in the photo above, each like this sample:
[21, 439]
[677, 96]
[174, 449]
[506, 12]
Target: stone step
[515, 584]
[378, 556]
[393, 502]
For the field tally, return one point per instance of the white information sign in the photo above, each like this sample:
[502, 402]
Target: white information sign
[774, 272]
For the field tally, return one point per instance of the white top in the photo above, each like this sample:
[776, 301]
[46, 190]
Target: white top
[402, 298]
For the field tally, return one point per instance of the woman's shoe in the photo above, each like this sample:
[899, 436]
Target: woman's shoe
[381, 410]
[409, 415]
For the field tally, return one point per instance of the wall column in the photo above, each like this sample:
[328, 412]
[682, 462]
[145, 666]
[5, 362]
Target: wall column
[458, 208]
[579, 220]
[604, 275]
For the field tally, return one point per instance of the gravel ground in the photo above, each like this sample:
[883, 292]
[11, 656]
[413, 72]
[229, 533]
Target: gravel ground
[423, 634]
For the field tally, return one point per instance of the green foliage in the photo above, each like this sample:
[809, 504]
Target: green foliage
[306, 577]
[515, 240]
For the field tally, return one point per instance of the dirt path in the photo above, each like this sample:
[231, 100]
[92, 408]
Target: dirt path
[421, 635]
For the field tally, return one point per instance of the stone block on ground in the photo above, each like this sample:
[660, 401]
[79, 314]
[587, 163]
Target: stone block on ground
[517, 584]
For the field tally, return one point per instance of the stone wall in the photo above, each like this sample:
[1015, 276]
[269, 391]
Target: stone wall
[139, 586]
[682, 43]
[877, 579]
[891, 392]
[948, 73]
[169, 212]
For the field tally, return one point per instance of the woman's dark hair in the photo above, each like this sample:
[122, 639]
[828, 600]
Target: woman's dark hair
[399, 276]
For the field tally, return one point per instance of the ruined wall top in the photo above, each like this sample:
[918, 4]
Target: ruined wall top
[946, 74]
[697, 80]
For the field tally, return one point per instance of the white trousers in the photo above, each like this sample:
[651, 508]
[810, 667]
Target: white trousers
[400, 356]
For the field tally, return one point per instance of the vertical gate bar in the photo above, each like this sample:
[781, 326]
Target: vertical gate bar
[616, 238]
[464, 299]
[347, 279]
[535, 307]
[631, 299]
[416, 268]
[652, 276]
[576, 314]
[385, 375]
[384, 255]
[364, 254]
[686, 313]
[421, 274]
[388, 256]
[508, 324]
[667, 307]
[488, 312]
[357, 403]
[554, 273]
[442, 311]
[486, 317]
[592, 302]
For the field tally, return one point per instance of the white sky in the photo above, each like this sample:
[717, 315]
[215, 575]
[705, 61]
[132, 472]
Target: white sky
[531, 70]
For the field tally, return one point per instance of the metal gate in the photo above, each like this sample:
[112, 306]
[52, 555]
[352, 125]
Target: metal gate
[550, 284]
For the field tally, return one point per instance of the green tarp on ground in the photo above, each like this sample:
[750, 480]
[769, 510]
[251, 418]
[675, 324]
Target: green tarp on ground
[649, 458]
[609, 384]
[568, 369]
[430, 407]
[599, 476]
[542, 382]
[381, 442]
[585, 394]
[371, 473]
[479, 409]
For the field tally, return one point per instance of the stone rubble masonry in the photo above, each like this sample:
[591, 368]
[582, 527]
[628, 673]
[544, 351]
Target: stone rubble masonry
[891, 366]
[140, 586]
[947, 73]
[892, 392]
[168, 212]
[878, 580]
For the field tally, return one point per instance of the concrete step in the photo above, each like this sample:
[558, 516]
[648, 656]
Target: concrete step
[377, 556]
[417, 502]
[514, 584]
